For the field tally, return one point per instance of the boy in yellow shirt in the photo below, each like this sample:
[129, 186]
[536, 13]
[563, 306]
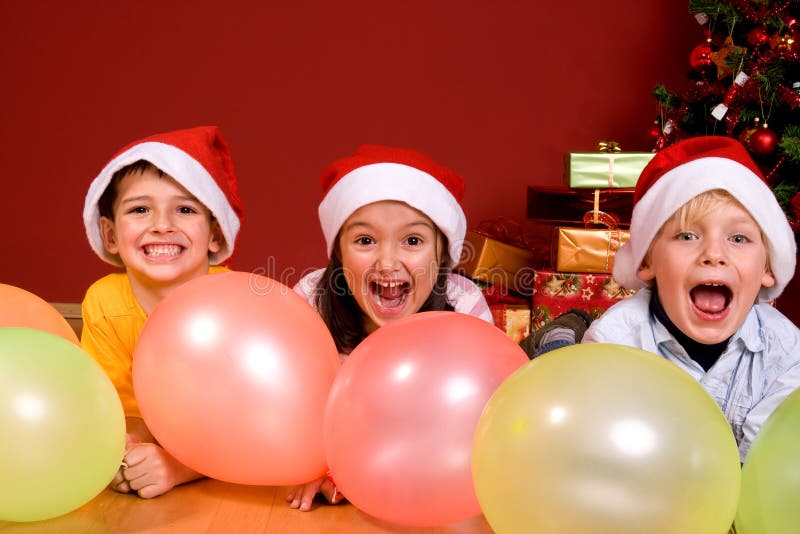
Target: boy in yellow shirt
[167, 209]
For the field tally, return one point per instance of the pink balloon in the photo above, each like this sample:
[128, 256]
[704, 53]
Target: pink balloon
[402, 412]
[232, 372]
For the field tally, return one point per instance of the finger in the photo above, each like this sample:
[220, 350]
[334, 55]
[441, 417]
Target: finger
[153, 490]
[122, 487]
[140, 460]
[307, 497]
[132, 458]
[135, 471]
[330, 492]
[119, 483]
[143, 474]
[295, 495]
[118, 477]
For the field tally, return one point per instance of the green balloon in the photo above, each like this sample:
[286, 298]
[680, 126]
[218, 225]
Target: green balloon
[62, 428]
[770, 500]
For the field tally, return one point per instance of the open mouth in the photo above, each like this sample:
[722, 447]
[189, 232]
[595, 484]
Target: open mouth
[158, 250]
[390, 294]
[711, 298]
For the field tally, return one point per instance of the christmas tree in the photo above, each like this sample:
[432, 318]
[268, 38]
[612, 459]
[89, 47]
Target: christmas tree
[744, 83]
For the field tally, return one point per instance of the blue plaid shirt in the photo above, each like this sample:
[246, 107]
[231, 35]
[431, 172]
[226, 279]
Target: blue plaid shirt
[759, 368]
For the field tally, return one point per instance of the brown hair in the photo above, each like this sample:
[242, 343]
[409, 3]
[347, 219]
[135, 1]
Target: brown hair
[106, 202]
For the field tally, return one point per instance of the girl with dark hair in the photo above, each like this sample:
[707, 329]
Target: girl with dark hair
[394, 229]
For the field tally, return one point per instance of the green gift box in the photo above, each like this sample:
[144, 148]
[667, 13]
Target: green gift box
[601, 170]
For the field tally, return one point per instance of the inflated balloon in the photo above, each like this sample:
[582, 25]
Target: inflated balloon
[605, 438]
[62, 429]
[232, 372]
[22, 308]
[771, 475]
[402, 412]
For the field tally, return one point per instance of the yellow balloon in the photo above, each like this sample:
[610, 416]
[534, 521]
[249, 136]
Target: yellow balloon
[770, 501]
[62, 429]
[605, 438]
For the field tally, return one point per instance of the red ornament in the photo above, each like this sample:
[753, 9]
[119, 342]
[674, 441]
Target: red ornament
[758, 37]
[763, 141]
[744, 136]
[654, 132]
[700, 57]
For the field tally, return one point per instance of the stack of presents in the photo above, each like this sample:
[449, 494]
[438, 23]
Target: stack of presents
[562, 256]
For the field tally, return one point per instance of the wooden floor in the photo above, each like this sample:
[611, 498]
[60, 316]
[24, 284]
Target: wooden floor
[210, 506]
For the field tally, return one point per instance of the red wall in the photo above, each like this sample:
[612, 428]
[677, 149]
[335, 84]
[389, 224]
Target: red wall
[496, 90]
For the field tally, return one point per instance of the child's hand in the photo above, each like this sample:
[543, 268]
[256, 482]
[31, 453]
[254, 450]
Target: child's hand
[119, 483]
[151, 471]
[301, 497]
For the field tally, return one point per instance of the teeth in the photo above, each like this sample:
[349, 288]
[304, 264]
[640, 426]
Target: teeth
[389, 284]
[162, 250]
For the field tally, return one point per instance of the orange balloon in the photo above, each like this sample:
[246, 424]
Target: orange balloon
[22, 308]
[232, 372]
[402, 412]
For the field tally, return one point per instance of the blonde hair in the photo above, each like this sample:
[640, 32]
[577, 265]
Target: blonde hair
[701, 205]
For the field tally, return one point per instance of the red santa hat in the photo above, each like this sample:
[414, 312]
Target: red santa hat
[197, 158]
[376, 173]
[693, 166]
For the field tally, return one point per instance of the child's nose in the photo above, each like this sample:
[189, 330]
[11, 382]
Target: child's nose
[387, 258]
[162, 221]
[713, 253]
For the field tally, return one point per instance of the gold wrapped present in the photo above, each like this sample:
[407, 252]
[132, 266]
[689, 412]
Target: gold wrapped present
[494, 262]
[587, 250]
[612, 170]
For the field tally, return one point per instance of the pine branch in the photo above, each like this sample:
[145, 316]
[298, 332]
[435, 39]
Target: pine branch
[790, 143]
[717, 11]
[665, 98]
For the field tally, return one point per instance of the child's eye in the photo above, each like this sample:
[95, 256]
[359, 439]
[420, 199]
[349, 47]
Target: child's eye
[186, 210]
[364, 240]
[685, 236]
[138, 209]
[414, 241]
[740, 239]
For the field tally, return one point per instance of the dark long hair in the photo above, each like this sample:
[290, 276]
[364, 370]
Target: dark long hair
[343, 316]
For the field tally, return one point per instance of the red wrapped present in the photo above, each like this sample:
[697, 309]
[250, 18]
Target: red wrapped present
[513, 319]
[555, 293]
[567, 207]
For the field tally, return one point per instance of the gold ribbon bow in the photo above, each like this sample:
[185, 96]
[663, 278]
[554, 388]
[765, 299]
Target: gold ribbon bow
[608, 146]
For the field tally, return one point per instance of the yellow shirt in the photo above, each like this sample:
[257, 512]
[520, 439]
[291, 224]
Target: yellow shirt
[112, 321]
